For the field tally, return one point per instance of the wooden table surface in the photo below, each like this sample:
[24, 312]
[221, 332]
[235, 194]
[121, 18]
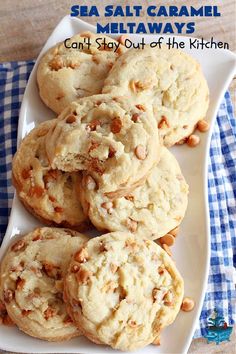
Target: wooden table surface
[26, 24]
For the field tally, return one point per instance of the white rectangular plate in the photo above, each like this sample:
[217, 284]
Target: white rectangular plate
[191, 251]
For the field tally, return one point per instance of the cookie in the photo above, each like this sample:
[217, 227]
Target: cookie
[170, 80]
[122, 290]
[114, 141]
[152, 209]
[31, 276]
[51, 195]
[66, 74]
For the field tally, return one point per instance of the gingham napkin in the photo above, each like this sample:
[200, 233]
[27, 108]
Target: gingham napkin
[221, 188]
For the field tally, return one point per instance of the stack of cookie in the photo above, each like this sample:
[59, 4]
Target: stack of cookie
[104, 162]
[119, 289]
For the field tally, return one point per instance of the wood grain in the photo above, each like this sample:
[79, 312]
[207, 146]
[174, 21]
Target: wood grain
[26, 25]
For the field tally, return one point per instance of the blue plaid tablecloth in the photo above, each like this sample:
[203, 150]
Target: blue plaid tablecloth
[220, 293]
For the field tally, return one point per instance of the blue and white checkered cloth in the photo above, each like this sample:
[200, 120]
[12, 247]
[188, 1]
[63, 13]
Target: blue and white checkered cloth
[221, 188]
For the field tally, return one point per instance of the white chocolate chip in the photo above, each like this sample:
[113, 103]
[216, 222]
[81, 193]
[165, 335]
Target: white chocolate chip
[140, 152]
